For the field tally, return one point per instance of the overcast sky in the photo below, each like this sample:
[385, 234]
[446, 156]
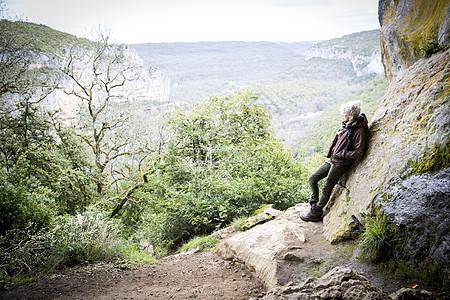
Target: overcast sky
[141, 21]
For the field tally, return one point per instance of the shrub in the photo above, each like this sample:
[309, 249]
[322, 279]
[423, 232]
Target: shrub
[221, 163]
[23, 252]
[199, 243]
[88, 237]
[381, 239]
[85, 238]
[432, 47]
[24, 204]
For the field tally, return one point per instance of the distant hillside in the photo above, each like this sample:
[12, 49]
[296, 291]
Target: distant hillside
[296, 82]
[41, 38]
[200, 70]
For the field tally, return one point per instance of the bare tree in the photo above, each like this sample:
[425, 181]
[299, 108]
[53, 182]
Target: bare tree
[99, 77]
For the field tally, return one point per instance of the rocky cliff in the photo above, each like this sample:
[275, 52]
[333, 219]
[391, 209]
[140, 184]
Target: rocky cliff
[143, 84]
[405, 172]
[408, 27]
[364, 54]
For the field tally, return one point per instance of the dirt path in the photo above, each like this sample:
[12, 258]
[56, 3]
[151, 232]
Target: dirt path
[201, 275]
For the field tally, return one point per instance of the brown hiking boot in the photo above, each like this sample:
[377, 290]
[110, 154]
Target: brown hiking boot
[314, 215]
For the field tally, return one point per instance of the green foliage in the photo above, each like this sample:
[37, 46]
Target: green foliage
[222, 162]
[239, 221]
[23, 252]
[30, 150]
[88, 237]
[438, 158]
[381, 239]
[85, 238]
[199, 243]
[432, 47]
[24, 203]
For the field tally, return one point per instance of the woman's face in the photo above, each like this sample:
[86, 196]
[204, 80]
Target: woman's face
[346, 117]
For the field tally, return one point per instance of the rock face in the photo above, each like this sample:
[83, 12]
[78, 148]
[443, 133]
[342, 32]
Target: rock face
[408, 26]
[274, 248]
[339, 283]
[421, 204]
[413, 119]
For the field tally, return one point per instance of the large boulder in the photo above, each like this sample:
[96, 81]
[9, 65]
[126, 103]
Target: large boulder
[421, 204]
[280, 250]
[339, 283]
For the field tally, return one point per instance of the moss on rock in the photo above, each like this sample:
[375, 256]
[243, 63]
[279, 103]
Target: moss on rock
[438, 158]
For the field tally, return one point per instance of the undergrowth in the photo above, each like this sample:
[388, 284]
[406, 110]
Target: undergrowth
[199, 243]
[381, 239]
[79, 240]
[383, 243]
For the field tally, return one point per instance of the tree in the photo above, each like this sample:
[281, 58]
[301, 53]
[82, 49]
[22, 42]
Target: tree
[36, 153]
[22, 89]
[221, 161]
[99, 76]
[15, 58]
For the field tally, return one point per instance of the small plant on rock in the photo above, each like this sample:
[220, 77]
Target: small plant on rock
[432, 47]
[381, 239]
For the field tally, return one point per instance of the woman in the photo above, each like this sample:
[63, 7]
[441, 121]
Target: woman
[348, 145]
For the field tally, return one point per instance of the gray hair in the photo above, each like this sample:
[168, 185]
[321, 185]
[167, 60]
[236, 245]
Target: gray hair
[352, 109]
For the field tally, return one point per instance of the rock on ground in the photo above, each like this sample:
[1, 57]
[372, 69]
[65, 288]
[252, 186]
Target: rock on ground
[339, 283]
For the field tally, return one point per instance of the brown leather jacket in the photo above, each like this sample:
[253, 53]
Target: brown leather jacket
[350, 145]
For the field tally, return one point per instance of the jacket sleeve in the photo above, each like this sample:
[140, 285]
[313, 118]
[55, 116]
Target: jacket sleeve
[330, 150]
[359, 140]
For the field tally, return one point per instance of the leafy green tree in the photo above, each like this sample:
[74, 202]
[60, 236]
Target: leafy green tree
[35, 155]
[221, 161]
[25, 203]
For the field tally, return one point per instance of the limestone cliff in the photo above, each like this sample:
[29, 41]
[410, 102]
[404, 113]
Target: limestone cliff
[143, 83]
[47, 50]
[410, 128]
[361, 49]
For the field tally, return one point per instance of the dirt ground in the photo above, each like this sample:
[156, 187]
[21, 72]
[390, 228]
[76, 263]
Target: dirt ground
[201, 275]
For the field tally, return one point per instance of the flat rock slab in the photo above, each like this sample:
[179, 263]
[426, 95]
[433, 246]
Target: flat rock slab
[283, 250]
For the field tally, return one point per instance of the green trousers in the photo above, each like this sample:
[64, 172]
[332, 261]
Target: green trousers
[333, 174]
